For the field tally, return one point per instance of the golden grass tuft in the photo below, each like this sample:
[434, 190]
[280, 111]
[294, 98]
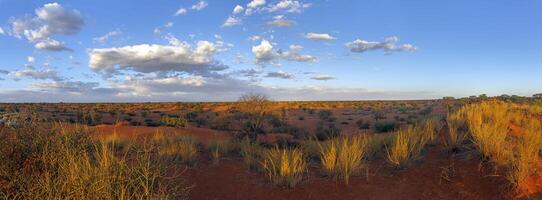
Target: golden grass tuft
[408, 143]
[342, 157]
[178, 148]
[284, 167]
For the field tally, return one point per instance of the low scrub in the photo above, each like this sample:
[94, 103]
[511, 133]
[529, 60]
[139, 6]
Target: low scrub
[284, 167]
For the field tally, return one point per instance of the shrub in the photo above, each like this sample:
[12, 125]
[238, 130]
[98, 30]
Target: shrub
[385, 126]
[284, 167]
[173, 121]
[326, 115]
[324, 132]
[342, 157]
[363, 124]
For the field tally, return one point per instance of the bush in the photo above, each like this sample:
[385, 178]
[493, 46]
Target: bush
[324, 132]
[385, 126]
[326, 115]
[363, 124]
[173, 121]
[284, 167]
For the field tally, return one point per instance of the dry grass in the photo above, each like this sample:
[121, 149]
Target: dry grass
[284, 167]
[64, 163]
[218, 148]
[252, 154]
[456, 131]
[342, 157]
[488, 124]
[177, 148]
[527, 157]
[408, 143]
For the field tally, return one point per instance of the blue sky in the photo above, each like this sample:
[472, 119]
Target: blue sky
[215, 50]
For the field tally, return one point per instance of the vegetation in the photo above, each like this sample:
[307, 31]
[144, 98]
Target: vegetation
[284, 167]
[342, 157]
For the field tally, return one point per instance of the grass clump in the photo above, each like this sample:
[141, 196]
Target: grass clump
[284, 167]
[342, 157]
[457, 135]
[488, 124]
[252, 154]
[408, 143]
[41, 162]
[218, 148]
[527, 154]
[183, 149]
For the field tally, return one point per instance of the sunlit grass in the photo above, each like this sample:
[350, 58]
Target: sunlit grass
[343, 157]
[284, 167]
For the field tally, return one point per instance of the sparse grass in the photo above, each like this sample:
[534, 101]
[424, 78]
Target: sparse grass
[342, 157]
[284, 167]
[218, 148]
[252, 154]
[180, 149]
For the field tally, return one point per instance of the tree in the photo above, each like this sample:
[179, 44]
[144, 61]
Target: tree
[537, 96]
[255, 107]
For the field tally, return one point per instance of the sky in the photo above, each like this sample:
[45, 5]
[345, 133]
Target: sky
[216, 50]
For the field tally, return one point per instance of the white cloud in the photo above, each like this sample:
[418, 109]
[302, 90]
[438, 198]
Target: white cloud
[232, 21]
[319, 36]
[254, 37]
[264, 52]
[295, 47]
[295, 56]
[30, 59]
[32, 73]
[290, 6]
[51, 45]
[51, 19]
[280, 74]
[103, 39]
[256, 3]
[199, 6]
[322, 77]
[238, 9]
[251, 73]
[2, 32]
[168, 25]
[181, 11]
[281, 21]
[388, 45]
[146, 58]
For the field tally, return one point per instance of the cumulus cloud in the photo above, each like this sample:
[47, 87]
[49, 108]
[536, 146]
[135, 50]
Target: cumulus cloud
[181, 11]
[51, 45]
[281, 21]
[388, 45]
[51, 19]
[295, 56]
[32, 73]
[319, 36]
[103, 39]
[265, 54]
[199, 6]
[176, 57]
[238, 9]
[256, 3]
[322, 77]
[232, 21]
[280, 74]
[290, 6]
